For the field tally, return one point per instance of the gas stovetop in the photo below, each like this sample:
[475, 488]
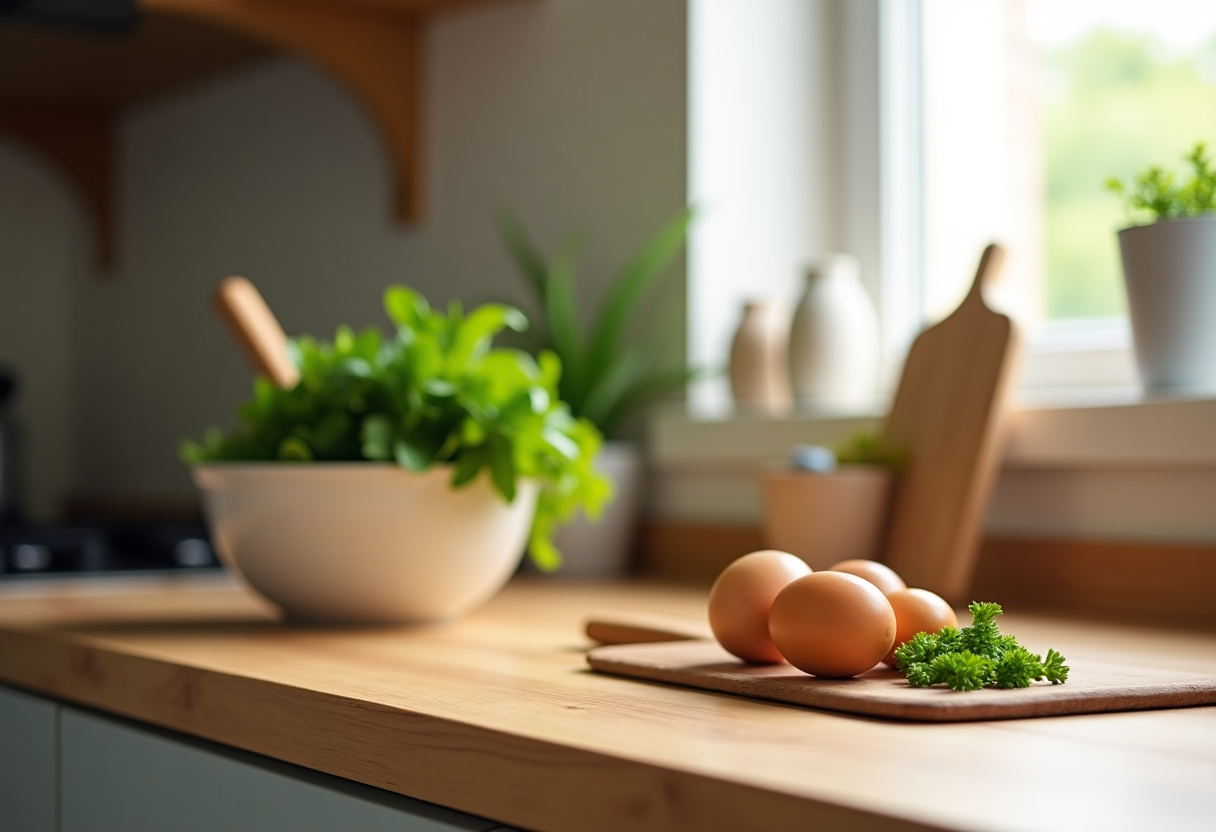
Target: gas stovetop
[127, 546]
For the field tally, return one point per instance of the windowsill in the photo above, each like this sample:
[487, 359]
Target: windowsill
[1111, 466]
[1052, 429]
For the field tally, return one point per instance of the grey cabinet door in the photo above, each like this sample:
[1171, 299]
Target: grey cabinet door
[118, 777]
[27, 762]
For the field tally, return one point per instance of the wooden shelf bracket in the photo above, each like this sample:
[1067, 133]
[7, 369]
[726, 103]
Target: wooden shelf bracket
[80, 142]
[63, 93]
[374, 52]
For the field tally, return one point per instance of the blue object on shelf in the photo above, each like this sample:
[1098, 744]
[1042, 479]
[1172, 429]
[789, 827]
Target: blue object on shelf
[815, 458]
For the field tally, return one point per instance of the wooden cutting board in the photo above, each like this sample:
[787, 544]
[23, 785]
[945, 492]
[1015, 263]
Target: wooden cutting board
[1091, 688]
[948, 416]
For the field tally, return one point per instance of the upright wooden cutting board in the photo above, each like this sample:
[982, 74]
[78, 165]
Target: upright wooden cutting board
[948, 415]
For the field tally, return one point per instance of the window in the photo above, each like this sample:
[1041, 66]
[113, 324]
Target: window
[1029, 106]
[911, 133]
[809, 132]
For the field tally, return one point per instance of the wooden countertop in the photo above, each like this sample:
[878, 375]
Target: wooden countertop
[497, 715]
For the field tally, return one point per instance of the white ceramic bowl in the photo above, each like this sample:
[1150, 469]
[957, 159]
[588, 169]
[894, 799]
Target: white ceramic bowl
[364, 543]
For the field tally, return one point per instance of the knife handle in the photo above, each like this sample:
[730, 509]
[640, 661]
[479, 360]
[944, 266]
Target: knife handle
[643, 628]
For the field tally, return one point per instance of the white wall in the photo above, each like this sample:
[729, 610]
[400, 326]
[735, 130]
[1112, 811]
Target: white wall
[571, 112]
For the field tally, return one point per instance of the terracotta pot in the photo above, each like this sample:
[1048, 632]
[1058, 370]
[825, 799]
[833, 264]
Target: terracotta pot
[825, 518]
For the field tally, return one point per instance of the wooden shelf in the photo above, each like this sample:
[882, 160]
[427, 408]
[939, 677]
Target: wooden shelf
[61, 91]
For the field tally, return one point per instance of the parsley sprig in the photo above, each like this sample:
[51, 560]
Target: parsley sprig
[975, 657]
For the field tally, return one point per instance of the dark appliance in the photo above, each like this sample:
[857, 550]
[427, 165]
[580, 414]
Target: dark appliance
[113, 547]
[93, 545]
[10, 452]
[85, 15]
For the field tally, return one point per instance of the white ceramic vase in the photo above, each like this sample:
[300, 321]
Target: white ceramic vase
[759, 370]
[833, 340]
[1169, 272]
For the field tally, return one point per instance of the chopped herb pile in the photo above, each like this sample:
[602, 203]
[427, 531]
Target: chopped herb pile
[978, 656]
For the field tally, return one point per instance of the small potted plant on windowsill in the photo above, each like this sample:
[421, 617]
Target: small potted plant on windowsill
[1169, 269]
[608, 377]
[396, 479]
[831, 503]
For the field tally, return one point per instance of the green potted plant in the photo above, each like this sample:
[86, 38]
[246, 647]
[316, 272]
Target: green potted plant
[399, 477]
[1168, 252]
[609, 376]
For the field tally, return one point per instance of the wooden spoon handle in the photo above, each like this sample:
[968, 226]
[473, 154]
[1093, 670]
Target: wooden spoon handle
[257, 329]
[642, 628]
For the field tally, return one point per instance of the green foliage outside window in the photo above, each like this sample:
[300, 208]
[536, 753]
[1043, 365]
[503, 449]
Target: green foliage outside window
[1114, 103]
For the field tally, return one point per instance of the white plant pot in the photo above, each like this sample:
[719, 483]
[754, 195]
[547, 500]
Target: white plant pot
[1169, 271]
[605, 547]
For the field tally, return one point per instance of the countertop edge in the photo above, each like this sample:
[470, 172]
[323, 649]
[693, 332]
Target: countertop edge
[513, 779]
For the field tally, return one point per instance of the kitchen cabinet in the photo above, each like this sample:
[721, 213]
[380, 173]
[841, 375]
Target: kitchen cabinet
[97, 774]
[61, 90]
[27, 762]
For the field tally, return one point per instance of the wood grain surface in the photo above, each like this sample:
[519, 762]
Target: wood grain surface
[948, 415]
[498, 715]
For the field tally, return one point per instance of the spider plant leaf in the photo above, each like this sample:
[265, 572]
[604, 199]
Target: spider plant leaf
[564, 328]
[646, 389]
[639, 275]
[627, 369]
[524, 252]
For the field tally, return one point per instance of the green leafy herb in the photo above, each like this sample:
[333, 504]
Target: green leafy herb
[867, 448]
[608, 375]
[1155, 194]
[975, 657]
[434, 393]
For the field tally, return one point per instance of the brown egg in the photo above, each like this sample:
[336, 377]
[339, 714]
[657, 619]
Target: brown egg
[879, 574]
[741, 597]
[832, 624]
[916, 611]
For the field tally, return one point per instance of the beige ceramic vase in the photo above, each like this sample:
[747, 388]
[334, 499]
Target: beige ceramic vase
[759, 374]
